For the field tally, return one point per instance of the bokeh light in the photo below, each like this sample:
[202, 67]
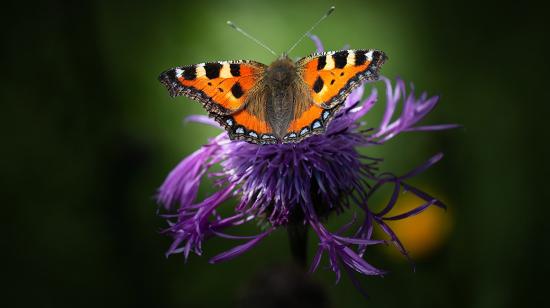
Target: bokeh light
[423, 234]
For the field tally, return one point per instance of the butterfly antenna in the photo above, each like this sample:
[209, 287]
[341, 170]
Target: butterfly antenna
[330, 10]
[234, 26]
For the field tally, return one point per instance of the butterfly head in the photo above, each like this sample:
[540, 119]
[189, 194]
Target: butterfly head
[281, 71]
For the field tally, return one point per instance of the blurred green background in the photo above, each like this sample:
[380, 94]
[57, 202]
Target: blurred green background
[89, 134]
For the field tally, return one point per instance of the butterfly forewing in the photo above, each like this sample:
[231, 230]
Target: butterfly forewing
[332, 75]
[221, 87]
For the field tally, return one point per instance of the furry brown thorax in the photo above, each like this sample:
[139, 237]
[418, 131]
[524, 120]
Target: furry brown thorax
[284, 95]
[279, 76]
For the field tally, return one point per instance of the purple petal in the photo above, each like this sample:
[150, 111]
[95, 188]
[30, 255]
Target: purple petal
[318, 43]
[348, 225]
[393, 237]
[393, 199]
[432, 128]
[422, 195]
[366, 105]
[412, 212]
[355, 95]
[234, 237]
[430, 162]
[413, 111]
[316, 260]
[359, 241]
[238, 250]
[391, 102]
[202, 119]
[182, 183]
[350, 258]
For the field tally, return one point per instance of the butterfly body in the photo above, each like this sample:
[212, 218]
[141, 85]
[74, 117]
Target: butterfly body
[282, 82]
[284, 102]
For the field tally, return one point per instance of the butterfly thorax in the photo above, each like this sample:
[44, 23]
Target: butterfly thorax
[281, 73]
[281, 82]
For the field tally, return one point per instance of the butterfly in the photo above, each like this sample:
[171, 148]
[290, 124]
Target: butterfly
[284, 102]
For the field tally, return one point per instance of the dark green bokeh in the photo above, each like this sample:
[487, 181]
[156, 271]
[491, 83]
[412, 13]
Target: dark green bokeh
[90, 134]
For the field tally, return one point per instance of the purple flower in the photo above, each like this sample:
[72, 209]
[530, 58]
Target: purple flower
[304, 183]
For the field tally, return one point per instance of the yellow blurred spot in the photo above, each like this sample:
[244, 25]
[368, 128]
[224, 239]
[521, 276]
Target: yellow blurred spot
[422, 234]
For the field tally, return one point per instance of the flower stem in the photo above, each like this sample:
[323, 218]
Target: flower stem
[297, 236]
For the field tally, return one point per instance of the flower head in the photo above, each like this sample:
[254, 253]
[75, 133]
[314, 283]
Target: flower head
[303, 183]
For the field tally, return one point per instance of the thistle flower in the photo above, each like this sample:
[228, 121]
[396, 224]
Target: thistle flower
[300, 184]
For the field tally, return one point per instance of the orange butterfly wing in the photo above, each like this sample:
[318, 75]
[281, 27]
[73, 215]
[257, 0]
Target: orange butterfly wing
[330, 78]
[221, 87]
[247, 126]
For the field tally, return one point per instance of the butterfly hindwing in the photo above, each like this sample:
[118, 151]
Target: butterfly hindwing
[248, 126]
[313, 120]
[331, 76]
[221, 87]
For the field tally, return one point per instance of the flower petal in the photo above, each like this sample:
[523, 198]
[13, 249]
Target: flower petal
[202, 119]
[238, 250]
[318, 43]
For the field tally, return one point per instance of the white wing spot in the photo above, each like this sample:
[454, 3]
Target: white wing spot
[316, 124]
[329, 61]
[225, 72]
[369, 55]
[200, 70]
[351, 57]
